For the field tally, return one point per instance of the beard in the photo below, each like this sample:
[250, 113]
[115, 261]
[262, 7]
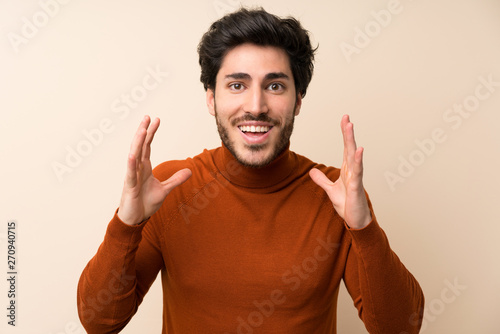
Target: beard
[279, 146]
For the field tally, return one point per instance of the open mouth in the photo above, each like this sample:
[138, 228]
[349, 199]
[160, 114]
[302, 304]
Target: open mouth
[255, 134]
[252, 129]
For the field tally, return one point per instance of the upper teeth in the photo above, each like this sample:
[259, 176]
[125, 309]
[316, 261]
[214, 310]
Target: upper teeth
[252, 128]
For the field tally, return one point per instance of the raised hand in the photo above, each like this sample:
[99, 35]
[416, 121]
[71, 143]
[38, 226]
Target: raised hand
[347, 193]
[142, 193]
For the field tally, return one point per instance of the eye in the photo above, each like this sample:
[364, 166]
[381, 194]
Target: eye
[276, 87]
[236, 86]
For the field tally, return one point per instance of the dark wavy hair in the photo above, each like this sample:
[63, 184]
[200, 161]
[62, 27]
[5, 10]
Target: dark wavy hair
[258, 27]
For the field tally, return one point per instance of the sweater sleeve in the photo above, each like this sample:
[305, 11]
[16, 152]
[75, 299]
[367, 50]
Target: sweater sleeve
[114, 282]
[388, 298]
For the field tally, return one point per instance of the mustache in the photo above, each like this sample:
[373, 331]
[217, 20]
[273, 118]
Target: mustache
[259, 118]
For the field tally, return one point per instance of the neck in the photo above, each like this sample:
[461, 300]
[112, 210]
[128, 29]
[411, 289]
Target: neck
[258, 178]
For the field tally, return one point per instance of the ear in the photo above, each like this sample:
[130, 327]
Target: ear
[298, 104]
[211, 101]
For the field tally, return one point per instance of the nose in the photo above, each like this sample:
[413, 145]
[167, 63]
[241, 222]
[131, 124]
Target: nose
[256, 102]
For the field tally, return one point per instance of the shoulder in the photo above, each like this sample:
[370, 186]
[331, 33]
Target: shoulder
[200, 164]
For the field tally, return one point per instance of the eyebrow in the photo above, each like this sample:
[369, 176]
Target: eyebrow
[276, 75]
[246, 76]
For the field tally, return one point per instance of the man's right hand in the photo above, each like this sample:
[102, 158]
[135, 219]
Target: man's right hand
[143, 194]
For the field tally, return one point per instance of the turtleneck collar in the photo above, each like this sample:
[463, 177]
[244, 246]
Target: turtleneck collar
[267, 178]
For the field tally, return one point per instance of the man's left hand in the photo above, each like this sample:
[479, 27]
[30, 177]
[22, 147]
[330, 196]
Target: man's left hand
[347, 193]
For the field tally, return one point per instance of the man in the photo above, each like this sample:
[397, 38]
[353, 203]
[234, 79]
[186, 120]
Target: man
[249, 237]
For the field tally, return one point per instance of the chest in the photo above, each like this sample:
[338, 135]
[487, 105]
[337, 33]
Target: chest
[236, 248]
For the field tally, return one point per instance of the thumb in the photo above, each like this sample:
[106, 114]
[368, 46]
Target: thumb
[321, 179]
[177, 179]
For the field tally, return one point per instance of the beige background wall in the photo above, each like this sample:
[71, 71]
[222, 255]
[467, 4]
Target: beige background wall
[432, 173]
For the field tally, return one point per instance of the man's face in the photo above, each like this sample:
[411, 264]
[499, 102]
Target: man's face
[255, 103]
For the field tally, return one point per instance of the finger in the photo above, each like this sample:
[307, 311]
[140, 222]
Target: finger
[146, 152]
[343, 122]
[358, 159]
[177, 179]
[321, 179]
[140, 136]
[349, 142]
[131, 173]
[135, 149]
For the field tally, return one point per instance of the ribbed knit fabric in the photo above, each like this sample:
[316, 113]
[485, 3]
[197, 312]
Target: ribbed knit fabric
[248, 250]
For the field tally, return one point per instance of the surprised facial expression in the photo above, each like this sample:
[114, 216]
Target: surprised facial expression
[255, 103]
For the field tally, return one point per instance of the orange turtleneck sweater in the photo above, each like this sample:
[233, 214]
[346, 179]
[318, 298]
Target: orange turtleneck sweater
[244, 250]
